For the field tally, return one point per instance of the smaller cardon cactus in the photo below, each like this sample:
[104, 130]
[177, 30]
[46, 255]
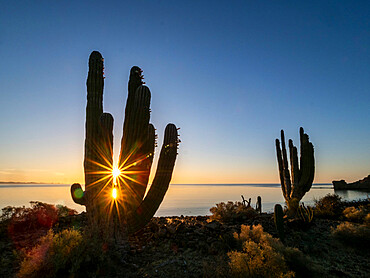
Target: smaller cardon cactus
[279, 221]
[259, 205]
[299, 181]
[305, 213]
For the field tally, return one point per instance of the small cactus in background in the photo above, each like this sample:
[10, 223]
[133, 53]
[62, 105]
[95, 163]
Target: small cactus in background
[119, 202]
[246, 203]
[279, 221]
[305, 213]
[299, 181]
[259, 205]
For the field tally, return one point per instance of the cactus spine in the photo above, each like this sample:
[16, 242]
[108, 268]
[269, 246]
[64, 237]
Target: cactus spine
[131, 211]
[302, 174]
[279, 221]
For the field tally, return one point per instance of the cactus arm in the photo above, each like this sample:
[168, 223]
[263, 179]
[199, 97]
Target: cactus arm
[148, 149]
[78, 195]
[307, 165]
[304, 159]
[106, 124]
[141, 216]
[138, 130]
[135, 135]
[135, 80]
[128, 139]
[106, 157]
[135, 127]
[94, 108]
[287, 182]
[294, 167]
[281, 167]
[312, 163]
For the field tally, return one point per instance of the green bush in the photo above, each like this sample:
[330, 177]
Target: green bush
[265, 256]
[232, 211]
[352, 233]
[55, 255]
[329, 206]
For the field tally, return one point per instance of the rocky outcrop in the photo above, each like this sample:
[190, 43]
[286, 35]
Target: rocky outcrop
[361, 184]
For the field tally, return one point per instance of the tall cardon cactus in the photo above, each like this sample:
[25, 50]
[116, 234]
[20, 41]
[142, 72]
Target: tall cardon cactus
[126, 209]
[299, 181]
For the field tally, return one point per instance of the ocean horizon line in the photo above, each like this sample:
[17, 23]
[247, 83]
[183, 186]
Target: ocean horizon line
[29, 184]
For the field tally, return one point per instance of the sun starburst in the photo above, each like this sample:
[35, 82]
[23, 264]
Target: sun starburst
[116, 186]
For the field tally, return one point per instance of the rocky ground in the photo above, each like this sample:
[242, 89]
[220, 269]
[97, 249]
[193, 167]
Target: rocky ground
[197, 247]
[188, 244]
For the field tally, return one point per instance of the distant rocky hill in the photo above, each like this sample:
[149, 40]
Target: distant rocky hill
[361, 184]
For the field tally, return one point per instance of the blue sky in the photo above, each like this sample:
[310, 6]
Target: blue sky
[230, 74]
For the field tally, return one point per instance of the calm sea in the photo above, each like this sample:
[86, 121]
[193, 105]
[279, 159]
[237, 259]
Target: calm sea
[181, 199]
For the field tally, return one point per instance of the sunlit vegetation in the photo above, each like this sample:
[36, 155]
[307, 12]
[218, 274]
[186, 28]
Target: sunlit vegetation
[353, 233]
[232, 211]
[26, 224]
[46, 214]
[230, 243]
[332, 206]
[329, 206]
[357, 232]
[261, 255]
[55, 255]
[360, 214]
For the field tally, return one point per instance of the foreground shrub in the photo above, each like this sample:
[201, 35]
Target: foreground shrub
[39, 215]
[265, 256]
[367, 220]
[232, 211]
[55, 255]
[26, 225]
[329, 206]
[352, 233]
[353, 214]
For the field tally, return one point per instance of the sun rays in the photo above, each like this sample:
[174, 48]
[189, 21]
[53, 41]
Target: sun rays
[114, 186]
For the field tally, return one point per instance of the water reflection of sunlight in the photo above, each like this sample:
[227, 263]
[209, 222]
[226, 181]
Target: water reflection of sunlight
[114, 193]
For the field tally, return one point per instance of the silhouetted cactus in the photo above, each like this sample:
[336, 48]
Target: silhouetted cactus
[302, 174]
[279, 221]
[246, 203]
[259, 205]
[131, 211]
[305, 213]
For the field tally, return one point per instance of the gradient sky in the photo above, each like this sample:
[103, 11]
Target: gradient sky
[230, 74]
